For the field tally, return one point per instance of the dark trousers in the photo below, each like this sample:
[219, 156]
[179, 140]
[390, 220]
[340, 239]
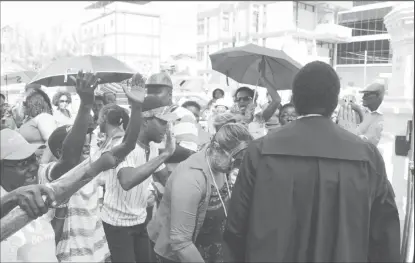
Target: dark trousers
[161, 259]
[130, 244]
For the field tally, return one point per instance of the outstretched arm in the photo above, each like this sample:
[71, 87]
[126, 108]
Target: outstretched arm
[74, 141]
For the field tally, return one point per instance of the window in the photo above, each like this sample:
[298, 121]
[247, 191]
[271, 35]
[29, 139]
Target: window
[378, 52]
[295, 13]
[225, 21]
[255, 18]
[200, 26]
[264, 20]
[367, 22]
[207, 27]
[359, 3]
[200, 53]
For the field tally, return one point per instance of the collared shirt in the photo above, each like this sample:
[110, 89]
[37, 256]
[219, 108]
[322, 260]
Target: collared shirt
[371, 127]
[128, 208]
[33, 243]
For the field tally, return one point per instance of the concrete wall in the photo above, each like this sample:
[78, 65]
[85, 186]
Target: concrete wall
[353, 75]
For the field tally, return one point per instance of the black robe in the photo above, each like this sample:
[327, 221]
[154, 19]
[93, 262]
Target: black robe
[312, 192]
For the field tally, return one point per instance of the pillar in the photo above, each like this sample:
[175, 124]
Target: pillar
[398, 103]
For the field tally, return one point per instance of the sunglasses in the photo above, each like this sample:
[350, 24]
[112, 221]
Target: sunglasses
[61, 101]
[21, 163]
[243, 99]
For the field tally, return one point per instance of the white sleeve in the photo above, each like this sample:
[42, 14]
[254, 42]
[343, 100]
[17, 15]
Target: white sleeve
[129, 161]
[161, 167]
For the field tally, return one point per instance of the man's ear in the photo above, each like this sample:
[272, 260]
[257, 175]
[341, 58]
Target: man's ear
[59, 153]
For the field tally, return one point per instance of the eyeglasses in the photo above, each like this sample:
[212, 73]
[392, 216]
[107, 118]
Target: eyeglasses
[62, 101]
[243, 99]
[21, 163]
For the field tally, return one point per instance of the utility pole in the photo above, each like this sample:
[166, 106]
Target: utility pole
[364, 70]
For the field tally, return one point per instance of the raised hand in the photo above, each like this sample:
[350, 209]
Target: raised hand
[136, 93]
[348, 118]
[86, 83]
[170, 141]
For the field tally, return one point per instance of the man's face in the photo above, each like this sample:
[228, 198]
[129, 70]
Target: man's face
[1, 100]
[371, 99]
[19, 173]
[85, 150]
[156, 129]
[96, 108]
[110, 98]
[164, 93]
[87, 147]
[218, 94]
[243, 99]
[195, 112]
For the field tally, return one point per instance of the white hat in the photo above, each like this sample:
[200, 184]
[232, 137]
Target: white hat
[222, 102]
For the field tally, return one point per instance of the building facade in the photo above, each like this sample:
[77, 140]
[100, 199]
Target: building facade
[367, 57]
[128, 31]
[305, 30]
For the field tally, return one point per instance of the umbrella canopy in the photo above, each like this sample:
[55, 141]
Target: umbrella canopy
[243, 64]
[107, 68]
[17, 77]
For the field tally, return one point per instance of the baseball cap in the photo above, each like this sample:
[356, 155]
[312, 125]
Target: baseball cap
[14, 147]
[57, 137]
[374, 87]
[154, 107]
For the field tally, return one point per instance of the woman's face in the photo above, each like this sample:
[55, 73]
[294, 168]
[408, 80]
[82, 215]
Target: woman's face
[288, 115]
[63, 102]
[222, 161]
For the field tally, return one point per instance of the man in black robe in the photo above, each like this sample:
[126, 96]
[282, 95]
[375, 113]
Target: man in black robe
[313, 192]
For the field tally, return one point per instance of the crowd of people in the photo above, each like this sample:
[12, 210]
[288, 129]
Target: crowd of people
[312, 187]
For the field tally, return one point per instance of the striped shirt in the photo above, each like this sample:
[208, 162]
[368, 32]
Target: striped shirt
[83, 237]
[128, 208]
[185, 129]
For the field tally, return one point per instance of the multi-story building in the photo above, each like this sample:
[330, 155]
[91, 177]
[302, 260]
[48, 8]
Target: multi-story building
[367, 57]
[305, 30]
[126, 30]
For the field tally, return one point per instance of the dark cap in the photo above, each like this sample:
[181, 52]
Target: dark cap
[374, 87]
[154, 107]
[57, 137]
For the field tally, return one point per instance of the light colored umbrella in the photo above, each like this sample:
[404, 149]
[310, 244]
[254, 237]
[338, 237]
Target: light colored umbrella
[244, 64]
[17, 77]
[107, 68]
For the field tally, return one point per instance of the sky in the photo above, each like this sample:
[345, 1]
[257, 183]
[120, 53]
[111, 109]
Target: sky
[179, 31]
